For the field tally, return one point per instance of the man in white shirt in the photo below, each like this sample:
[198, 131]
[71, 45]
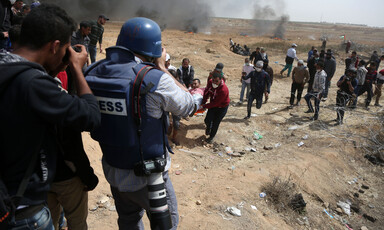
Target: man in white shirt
[247, 68]
[291, 56]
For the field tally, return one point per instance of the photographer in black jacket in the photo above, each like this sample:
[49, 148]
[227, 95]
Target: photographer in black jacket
[33, 107]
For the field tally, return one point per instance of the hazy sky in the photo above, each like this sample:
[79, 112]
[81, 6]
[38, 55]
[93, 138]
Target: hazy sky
[369, 12]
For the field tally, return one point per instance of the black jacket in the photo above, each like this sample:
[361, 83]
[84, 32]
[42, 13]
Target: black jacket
[32, 107]
[5, 17]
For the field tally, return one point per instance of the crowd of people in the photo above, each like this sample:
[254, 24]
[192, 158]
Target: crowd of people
[359, 77]
[238, 49]
[50, 93]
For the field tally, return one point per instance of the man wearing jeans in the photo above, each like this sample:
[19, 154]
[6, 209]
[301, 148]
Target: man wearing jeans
[245, 84]
[317, 90]
[96, 35]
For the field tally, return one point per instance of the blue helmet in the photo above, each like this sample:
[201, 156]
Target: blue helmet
[141, 36]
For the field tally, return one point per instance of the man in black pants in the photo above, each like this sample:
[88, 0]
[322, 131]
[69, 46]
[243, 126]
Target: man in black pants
[346, 83]
[260, 84]
[217, 92]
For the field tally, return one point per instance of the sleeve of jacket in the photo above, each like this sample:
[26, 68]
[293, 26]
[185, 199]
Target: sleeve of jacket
[56, 106]
[221, 96]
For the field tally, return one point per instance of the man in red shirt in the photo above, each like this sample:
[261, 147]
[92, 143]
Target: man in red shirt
[217, 107]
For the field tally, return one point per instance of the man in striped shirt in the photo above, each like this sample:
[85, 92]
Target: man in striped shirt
[96, 35]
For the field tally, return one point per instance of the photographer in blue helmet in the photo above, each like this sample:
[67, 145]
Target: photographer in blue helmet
[135, 90]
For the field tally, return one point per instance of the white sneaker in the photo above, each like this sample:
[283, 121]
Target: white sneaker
[324, 99]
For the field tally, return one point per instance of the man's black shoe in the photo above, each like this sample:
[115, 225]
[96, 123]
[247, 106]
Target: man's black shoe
[207, 131]
[308, 111]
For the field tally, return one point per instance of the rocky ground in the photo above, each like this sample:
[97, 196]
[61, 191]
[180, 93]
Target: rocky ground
[323, 162]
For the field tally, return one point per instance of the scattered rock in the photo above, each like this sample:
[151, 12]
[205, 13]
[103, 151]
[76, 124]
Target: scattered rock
[293, 127]
[236, 154]
[112, 208]
[363, 228]
[355, 208]
[210, 51]
[178, 172]
[361, 191]
[326, 205]
[363, 186]
[93, 208]
[103, 200]
[371, 206]
[356, 195]
[268, 147]
[198, 202]
[253, 150]
[370, 218]
[339, 211]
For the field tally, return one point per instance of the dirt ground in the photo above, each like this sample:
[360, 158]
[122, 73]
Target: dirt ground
[329, 167]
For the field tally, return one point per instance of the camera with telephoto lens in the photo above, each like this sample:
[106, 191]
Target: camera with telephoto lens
[147, 167]
[159, 215]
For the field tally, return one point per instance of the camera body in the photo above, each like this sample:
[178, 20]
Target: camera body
[66, 56]
[147, 167]
[348, 78]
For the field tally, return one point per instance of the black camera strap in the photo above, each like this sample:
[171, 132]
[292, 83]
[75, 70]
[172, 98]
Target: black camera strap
[136, 96]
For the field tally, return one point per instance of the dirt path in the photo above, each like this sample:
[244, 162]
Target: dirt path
[210, 180]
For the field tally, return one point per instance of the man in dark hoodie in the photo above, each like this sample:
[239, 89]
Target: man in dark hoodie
[260, 83]
[33, 108]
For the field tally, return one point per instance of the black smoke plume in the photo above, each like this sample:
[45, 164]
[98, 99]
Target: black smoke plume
[270, 18]
[280, 29]
[189, 15]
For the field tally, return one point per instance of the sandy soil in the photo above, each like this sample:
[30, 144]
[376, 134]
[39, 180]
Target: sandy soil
[210, 180]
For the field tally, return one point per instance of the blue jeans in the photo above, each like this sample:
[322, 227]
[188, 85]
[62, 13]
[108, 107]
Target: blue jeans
[130, 206]
[243, 86]
[92, 53]
[327, 85]
[41, 220]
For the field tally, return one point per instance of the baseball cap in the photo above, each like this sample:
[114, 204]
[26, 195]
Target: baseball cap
[219, 67]
[294, 45]
[103, 16]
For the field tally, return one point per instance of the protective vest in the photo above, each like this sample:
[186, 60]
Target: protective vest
[111, 81]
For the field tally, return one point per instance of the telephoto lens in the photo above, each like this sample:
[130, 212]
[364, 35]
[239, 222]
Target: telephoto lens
[160, 217]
